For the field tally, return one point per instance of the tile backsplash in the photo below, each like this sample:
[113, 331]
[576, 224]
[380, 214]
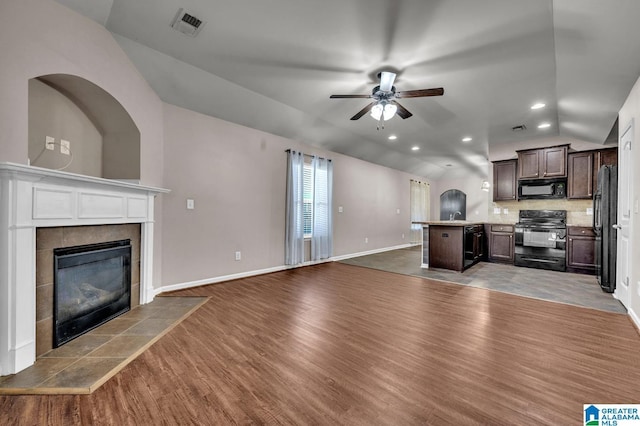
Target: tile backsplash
[576, 210]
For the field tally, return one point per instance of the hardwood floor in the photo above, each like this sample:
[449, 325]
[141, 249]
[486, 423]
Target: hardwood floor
[341, 344]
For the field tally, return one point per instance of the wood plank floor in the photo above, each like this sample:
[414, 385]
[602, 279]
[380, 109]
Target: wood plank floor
[341, 344]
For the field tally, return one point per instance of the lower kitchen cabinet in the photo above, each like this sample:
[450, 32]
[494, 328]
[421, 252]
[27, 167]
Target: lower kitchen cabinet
[501, 243]
[581, 249]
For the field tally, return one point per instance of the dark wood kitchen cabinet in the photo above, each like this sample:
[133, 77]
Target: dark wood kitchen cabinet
[581, 247]
[504, 180]
[543, 163]
[501, 243]
[446, 247]
[580, 180]
[603, 157]
[583, 171]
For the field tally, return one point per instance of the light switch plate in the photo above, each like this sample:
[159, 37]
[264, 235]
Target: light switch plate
[190, 204]
[340, 209]
[589, 211]
[397, 211]
[49, 143]
[496, 210]
[505, 211]
[65, 147]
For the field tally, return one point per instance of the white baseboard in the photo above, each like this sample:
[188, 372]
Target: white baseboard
[364, 253]
[634, 318]
[213, 280]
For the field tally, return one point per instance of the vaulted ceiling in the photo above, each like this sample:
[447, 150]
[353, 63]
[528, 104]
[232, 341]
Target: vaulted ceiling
[273, 64]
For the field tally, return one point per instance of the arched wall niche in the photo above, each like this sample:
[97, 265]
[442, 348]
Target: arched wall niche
[104, 140]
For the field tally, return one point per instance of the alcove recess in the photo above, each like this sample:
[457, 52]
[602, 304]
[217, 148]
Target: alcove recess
[103, 138]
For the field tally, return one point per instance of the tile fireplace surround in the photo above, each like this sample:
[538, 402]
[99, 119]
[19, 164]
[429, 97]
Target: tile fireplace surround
[32, 197]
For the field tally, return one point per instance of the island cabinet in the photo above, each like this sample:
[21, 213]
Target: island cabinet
[504, 180]
[500, 243]
[446, 247]
[581, 248]
[455, 245]
[583, 169]
[543, 163]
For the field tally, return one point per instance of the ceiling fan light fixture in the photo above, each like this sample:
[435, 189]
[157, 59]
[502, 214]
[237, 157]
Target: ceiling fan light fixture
[538, 105]
[389, 111]
[376, 111]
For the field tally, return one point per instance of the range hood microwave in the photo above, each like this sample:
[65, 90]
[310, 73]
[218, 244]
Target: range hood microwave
[541, 189]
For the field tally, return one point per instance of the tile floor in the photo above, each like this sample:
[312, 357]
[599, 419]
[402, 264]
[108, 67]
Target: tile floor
[85, 363]
[563, 287]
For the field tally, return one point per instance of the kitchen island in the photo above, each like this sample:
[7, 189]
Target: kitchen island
[451, 244]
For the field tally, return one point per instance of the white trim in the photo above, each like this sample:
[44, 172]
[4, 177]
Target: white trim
[634, 317]
[222, 278]
[365, 253]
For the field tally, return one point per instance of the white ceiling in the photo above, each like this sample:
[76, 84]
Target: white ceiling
[272, 65]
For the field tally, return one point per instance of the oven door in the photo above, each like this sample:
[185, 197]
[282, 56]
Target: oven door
[540, 247]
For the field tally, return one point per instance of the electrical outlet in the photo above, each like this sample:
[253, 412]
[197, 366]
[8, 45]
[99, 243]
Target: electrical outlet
[366, 240]
[403, 236]
[589, 211]
[49, 143]
[191, 204]
[505, 211]
[340, 209]
[496, 210]
[65, 147]
[238, 255]
[397, 211]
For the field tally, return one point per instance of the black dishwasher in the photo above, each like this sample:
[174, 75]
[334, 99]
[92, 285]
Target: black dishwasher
[469, 252]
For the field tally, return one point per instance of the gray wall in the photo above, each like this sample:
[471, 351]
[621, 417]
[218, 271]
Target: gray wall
[236, 175]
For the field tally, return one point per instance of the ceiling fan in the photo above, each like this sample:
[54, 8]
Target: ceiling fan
[385, 105]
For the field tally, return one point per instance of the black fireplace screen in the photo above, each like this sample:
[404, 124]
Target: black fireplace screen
[92, 285]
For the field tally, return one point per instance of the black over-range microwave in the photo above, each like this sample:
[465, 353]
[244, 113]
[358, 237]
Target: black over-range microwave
[540, 189]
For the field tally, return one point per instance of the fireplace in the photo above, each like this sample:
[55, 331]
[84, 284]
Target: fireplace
[33, 199]
[92, 285]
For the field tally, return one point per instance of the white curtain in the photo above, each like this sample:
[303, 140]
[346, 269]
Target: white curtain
[419, 209]
[294, 229]
[322, 234]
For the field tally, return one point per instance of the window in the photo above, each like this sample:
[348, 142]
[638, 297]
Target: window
[307, 200]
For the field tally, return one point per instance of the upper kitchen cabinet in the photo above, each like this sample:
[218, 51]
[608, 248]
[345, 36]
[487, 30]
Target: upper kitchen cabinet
[580, 182]
[504, 180]
[583, 171]
[542, 163]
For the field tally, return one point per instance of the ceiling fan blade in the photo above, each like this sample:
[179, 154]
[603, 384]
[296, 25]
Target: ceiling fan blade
[402, 111]
[420, 93]
[363, 111]
[386, 81]
[348, 96]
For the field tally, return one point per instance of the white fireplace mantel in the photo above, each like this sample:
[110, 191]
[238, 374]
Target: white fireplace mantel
[32, 197]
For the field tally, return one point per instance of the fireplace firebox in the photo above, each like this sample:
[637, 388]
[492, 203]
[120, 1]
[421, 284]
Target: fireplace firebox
[92, 285]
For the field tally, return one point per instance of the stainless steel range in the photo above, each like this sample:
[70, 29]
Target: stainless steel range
[541, 239]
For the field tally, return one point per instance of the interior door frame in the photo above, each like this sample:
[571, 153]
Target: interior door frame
[624, 258]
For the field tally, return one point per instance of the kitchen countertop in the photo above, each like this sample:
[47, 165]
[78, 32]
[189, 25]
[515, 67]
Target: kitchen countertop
[450, 222]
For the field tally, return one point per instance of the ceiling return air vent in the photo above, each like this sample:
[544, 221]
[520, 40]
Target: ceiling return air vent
[519, 128]
[186, 23]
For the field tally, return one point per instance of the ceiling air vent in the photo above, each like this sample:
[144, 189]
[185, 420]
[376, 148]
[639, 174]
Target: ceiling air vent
[186, 23]
[519, 128]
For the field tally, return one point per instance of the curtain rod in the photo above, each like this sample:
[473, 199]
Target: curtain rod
[308, 155]
[413, 180]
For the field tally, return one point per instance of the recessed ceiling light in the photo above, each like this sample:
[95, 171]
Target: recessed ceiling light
[393, 137]
[544, 125]
[467, 139]
[415, 148]
[449, 165]
[538, 105]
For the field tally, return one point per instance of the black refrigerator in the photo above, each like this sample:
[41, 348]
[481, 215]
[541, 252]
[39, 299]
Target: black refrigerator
[605, 215]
